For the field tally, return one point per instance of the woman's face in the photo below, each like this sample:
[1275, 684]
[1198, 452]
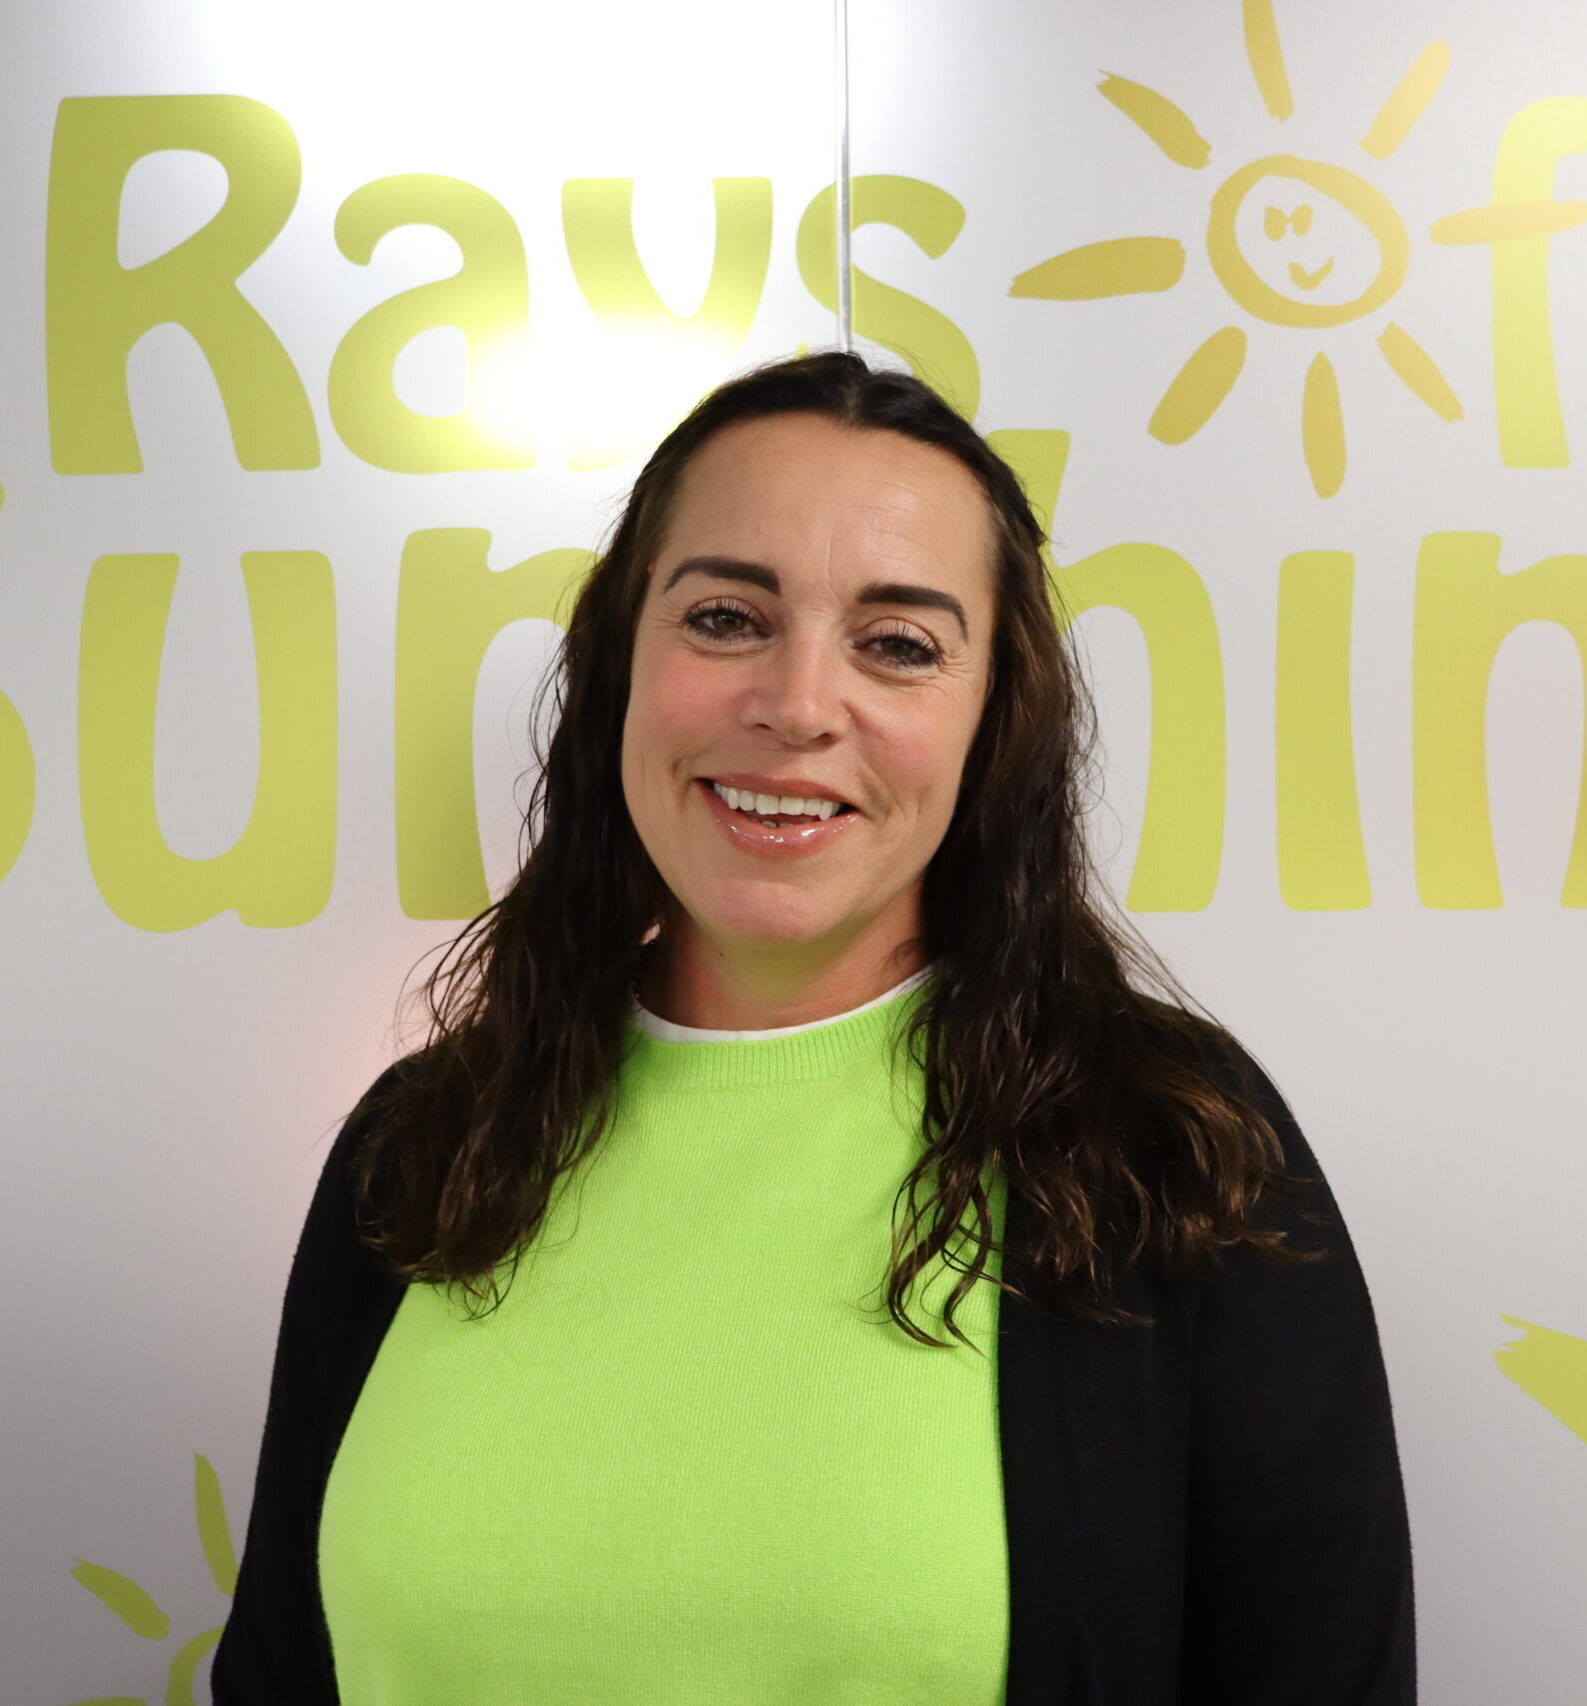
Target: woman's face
[818, 625]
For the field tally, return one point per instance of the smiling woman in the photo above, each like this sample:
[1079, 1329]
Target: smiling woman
[810, 926]
[815, 678]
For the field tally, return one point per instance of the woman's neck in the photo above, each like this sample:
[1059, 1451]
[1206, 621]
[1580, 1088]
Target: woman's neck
[760, 992]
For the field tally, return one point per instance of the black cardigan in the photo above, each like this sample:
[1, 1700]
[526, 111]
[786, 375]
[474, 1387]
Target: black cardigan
[1204, 1512]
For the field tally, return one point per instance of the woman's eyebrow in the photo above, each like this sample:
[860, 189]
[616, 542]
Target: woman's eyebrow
[925, 597]
[725, 569]
[873, 592]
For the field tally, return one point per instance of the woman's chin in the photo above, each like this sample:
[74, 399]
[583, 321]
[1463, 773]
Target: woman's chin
[770, 927]
[773, 937]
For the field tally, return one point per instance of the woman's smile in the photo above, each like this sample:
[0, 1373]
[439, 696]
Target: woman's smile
[776, 835]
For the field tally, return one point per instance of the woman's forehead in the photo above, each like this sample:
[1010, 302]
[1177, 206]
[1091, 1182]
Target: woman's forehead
[797, 482]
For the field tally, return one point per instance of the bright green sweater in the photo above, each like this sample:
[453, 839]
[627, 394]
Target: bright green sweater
[690, 1460]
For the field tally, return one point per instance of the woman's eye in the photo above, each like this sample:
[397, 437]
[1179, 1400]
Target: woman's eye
[899, 649]
[905, 649]
[717, 621]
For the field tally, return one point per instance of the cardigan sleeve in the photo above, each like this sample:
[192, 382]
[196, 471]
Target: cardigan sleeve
[275, 1647]
[1298, 1568]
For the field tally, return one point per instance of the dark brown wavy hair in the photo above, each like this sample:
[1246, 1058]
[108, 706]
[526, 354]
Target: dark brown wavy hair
[1122, 1118]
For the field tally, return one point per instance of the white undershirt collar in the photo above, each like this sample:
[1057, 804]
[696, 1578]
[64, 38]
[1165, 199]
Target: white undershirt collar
[655, 1026]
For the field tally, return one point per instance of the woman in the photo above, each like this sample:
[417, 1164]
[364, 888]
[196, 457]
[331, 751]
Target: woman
[808, 928]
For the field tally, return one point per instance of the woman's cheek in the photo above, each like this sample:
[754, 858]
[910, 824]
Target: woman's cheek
[669, 686]
[701, 681]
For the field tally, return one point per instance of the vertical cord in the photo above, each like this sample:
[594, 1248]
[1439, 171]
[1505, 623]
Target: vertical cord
[841, 91]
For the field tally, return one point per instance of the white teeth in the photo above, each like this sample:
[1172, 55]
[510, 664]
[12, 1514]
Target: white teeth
[785, 805]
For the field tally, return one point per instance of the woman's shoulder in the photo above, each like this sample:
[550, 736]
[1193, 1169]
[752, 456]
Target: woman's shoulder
[359, 1124]
[371, 1106]
[1206, 1048]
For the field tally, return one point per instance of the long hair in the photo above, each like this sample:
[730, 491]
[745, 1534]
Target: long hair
[1044, 1053]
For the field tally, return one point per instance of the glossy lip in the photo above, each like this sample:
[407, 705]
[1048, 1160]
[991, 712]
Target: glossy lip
[771, 840]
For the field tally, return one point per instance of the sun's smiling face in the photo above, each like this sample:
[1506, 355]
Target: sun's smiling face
[1305, 243]
[1297, 243]
[1276, 222]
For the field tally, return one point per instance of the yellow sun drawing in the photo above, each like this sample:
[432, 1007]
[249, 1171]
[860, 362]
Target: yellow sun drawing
[1257, 277]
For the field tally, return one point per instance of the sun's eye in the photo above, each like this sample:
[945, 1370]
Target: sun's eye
[707, 620]
[904, 648]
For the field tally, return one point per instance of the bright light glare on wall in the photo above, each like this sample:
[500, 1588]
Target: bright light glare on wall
[595, 401]
[609, 87]
[518, 100]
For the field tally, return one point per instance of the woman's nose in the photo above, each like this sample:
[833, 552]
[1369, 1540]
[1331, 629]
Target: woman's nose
[798, 689]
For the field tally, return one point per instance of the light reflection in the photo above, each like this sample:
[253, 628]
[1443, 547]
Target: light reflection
[595, 397]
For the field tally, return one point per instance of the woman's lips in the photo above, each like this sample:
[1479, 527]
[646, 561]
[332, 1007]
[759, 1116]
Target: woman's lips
[773, 840]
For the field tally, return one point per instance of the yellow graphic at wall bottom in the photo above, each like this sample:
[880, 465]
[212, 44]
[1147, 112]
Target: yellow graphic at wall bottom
[136, 1607]
[1552, 1368]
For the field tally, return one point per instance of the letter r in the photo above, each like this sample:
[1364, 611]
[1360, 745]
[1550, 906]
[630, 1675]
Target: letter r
[96, 309]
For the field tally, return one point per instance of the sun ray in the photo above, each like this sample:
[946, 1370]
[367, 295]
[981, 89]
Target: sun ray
[1418, 372]
[1159, 118]
[1506, 220]
[1266, 54]
[1207, 377]
[1550, 1367]
[1124, 266]
[1408, 102]
[1322, 428]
